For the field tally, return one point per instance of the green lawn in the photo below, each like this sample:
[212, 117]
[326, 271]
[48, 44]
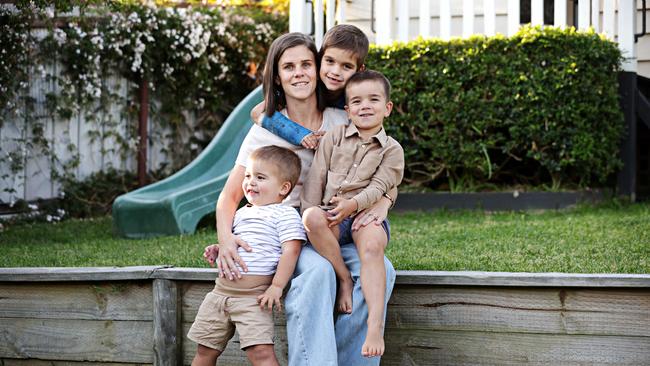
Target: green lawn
[610, 238]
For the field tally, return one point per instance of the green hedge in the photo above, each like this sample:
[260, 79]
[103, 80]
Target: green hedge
[540, 108]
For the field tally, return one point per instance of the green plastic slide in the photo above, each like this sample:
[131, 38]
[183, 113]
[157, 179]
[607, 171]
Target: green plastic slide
[176, 204]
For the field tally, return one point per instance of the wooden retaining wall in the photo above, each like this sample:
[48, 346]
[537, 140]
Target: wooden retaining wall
[140, 315]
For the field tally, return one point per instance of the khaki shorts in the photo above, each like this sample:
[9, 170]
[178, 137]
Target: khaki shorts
[230, 307]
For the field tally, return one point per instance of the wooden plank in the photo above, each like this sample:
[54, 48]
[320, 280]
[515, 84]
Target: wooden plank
[92, 301]
[166, 336]
[77, 273]
[233, 355]
[77, 340]
[417, 347]
[517, 279]
[15, 362]
[551, 311]
[461, 278]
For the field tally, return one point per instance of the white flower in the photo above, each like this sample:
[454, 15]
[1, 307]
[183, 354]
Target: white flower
[32, 207]
[48, 218]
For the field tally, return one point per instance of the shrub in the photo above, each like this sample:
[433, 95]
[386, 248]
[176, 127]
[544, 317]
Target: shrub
[539, 108]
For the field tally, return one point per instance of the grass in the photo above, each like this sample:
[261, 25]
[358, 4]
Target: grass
[610, 238]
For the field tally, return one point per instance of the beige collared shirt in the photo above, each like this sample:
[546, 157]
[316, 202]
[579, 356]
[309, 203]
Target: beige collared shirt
[348, 167]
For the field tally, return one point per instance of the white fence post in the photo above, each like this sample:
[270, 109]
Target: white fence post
[489, 18]
[537, 12]
[560, 16]
[626, 15]
[318, 22]
[425, 19]
[340, 13]
[445, 19]
[300, 16]
[584, 10]
[609, 14]
[384, 25]
[403, 22]
[331, 11]
[595, 14]
[468, 18]
[513, 17]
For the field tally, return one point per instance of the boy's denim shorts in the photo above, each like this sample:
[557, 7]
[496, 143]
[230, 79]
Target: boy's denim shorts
[345, 230]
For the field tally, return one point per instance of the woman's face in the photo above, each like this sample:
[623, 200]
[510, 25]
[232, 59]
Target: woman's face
[297, 73]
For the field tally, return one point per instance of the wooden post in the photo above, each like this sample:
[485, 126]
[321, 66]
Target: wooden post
[142, 132]
[167, 335]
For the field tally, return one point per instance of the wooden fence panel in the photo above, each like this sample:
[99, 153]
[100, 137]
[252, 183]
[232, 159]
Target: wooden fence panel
[77, 340]
[421, 347]
[91, 301]
[553, 311]
[15, 362]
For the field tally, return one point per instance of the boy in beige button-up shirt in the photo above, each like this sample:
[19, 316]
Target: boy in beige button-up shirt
[353, 168]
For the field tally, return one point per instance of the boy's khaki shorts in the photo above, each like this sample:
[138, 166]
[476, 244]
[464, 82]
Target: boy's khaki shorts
[221, 313]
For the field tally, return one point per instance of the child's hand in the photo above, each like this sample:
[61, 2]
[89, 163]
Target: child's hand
[257, 111]
[311, 141]
[344, 208]
[210, 253]
[270, 298]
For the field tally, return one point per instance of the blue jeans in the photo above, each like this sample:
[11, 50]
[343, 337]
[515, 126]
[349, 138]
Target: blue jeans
[316, 335]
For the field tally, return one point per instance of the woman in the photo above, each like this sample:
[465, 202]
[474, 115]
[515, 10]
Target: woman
[315, 337]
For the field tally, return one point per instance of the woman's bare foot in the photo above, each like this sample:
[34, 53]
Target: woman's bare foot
[374, 344]
[344, 296]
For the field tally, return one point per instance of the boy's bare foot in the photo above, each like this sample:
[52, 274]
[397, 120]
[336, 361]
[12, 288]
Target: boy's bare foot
[344, 296]
[374, 344]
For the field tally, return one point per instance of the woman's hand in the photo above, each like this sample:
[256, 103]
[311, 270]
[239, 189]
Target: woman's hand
[228, 257]
[376, 214]
[312, 140]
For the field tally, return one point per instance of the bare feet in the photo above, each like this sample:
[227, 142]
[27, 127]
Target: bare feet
[374, 344]
[344, 296]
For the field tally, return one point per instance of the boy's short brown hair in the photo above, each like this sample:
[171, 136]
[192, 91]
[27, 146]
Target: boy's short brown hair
[346, 37]
[370, 75]
[287, 162]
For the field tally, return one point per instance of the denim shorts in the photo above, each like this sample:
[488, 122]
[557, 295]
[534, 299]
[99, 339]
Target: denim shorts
[345, 230]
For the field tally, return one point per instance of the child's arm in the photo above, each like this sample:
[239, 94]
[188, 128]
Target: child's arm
[281, 126]
[286, 265]
[388, 175]
[314, 186]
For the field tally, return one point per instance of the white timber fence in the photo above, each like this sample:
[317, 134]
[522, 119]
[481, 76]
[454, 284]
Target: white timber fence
[141, 315]
[404, 20]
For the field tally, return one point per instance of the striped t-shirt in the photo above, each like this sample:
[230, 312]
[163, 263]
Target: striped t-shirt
[265, 228]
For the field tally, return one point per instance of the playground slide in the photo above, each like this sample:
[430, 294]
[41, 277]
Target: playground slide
[176, 204]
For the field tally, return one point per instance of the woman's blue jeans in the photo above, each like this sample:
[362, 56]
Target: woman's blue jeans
[317, 336]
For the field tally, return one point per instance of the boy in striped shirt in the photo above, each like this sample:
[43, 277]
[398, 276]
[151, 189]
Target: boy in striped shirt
[276, 234]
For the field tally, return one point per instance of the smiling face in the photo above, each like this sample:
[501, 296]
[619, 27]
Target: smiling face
[297, 73]
[367, 106]
[337, 66]
[262, 184]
